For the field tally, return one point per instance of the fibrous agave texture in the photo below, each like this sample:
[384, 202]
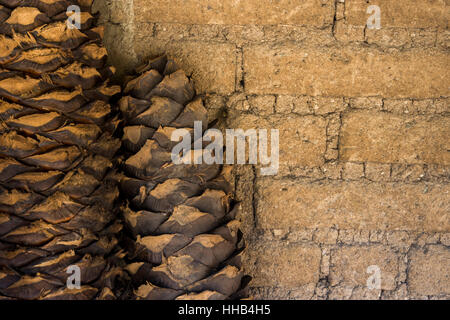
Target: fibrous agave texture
[57, 182]
[183, 241]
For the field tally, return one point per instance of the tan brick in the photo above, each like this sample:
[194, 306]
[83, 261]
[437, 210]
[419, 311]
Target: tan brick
[212, 65]
[171, 32]
[361, 236]
[443, 39]
[239, 102]
[326, 236]
[272, 264]
[340, 10]
[352, 205]
[309, 105]
[402, 172]
[442, 105]
[265, 12]
[334, 126]
[431, 106]
[332, 170]
[306, 34]
[304, 235]
[324, 105]
[353, 72]
[349, 265]
[302, 139]
[401, 293]
[376, 236]
[305, 292]
[365, 293]
[387, 138]
[263, 105]
[427, 238]
[378, 171]
[401, 13]
[331, 154]
[353, 171]
[388, 37]
[242, 33]
[399, 238]
[288, 104]
[398, 106]
[439, 171]
[429, 272]
[445, 239]
[346, 236]
[340, 293]
[348, 33]
[423, 38]
[366, 103]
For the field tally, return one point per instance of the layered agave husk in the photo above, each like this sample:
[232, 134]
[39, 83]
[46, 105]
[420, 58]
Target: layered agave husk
[58, 190]
[183, 241]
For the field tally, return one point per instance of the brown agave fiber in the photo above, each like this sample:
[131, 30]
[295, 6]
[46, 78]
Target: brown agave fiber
[57, 189]
[183, 240]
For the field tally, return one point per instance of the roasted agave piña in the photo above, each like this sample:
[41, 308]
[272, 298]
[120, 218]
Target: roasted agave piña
[183, 239]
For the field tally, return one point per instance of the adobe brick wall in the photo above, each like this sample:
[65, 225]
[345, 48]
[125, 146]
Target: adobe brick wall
[364, 132]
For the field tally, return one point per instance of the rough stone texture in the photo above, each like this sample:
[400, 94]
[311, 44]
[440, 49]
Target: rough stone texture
[307, 12]
[287, 266]
[401, 13]
[364, 129]
[302, 139]
[429, 272]
[353, 171]
[349, 266]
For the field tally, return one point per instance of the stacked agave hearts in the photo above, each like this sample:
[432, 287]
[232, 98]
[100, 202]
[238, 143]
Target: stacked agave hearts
[184, 241]
[57, 189]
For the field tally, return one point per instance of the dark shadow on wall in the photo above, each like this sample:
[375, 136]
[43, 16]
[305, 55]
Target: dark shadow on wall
[117, 16]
